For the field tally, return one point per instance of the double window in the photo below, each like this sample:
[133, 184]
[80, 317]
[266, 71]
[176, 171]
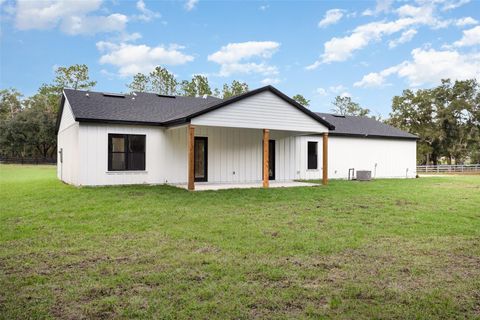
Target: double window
[126, 152]
[312, 155]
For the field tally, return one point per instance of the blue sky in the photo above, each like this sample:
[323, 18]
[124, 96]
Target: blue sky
[366, 49]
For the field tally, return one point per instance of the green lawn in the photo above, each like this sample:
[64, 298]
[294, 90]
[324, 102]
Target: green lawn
[398, 249]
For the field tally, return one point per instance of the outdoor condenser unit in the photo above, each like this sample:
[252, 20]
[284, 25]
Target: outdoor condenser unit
[364, 175]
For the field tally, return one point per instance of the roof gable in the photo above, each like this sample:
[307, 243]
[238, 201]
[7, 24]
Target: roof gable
[263, 110]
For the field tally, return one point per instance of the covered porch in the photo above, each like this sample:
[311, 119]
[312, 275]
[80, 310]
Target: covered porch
[262, 137]
[228, 157]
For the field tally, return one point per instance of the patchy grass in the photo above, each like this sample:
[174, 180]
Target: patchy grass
[398, 249]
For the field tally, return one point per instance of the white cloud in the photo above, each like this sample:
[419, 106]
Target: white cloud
[332, 16]
[145, 13]
[126, 37]
[453, 4]
[342, 48]
[336, 89]
[75, 25]
[374, 79]
[72, 17]
[234, 52]
[247, 68]
[264, 7]
[465, 22]
[270, 81]
[321, 92]
[405, 37]
[471, 37]
[190, 4]
[131, 59]
[381, 6]
[345, 94]
[428, 66]
[233, 58]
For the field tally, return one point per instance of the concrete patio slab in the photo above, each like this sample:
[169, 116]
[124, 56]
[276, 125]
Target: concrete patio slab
[203, 186]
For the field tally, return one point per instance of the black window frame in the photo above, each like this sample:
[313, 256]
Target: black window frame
[126, 152]
[312, 159]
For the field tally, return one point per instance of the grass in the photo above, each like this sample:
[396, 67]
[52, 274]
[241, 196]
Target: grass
[390, 249]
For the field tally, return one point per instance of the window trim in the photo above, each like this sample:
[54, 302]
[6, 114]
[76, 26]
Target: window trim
[316, 156]
[125, 137]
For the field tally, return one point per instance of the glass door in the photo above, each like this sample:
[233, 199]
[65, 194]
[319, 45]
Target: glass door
[201, 158]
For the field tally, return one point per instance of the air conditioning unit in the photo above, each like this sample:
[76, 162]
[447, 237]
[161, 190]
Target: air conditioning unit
[364, 175]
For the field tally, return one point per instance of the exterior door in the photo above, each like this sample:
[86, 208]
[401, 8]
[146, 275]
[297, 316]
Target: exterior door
[201, 158]
[271, 159]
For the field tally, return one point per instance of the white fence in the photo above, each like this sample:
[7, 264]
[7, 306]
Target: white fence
[449, 168]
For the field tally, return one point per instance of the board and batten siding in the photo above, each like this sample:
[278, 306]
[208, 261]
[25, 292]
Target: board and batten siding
[386, 158]
[264, 110]
[67, 141]
[235, 155]
[93, 149]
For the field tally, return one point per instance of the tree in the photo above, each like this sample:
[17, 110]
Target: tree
[162, 82]
[31, 131]
[75, 77]
[140, 83]
[234, 89]
[10, 103]
[302, 100]
[446, 119]
[413, 112]
[159, 81]
[346, 107]
[198, 86]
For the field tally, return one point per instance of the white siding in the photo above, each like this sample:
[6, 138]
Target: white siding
[263, 110]
[393, 158]
[67, 117]
[175, 155]
[234, 155]
[93, 155]
[67, 141]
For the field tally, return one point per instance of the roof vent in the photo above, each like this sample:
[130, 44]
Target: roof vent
[87, 94]
[113, 95]
[205, 96]
[166, 96]
[338, 116]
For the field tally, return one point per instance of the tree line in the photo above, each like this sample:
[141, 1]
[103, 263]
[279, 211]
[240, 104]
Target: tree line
[446, 118]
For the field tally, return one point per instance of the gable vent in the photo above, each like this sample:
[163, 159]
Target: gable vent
[165, 96]
[113, 95]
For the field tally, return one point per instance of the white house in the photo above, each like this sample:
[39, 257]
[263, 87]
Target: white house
[262, 135]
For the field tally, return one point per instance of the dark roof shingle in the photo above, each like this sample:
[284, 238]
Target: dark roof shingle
[139, 107]
[363, 126]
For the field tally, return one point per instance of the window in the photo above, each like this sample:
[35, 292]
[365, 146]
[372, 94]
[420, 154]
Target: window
[312, 155]
[126, 152]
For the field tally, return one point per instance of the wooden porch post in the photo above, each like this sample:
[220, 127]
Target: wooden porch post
[266, 137]
[325, 159]
[191, 160]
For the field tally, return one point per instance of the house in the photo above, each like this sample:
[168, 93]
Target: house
[256, 137]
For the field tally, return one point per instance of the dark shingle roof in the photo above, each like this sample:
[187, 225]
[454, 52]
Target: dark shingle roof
[141, 107]
[150, 108]
[363, 126]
